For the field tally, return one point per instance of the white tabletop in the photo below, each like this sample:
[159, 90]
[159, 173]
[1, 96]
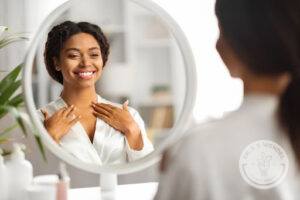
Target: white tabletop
[140, 191]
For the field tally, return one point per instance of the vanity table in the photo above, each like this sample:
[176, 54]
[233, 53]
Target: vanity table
[140, 191]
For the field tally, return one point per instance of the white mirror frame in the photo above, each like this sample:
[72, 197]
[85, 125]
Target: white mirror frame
[176, 132]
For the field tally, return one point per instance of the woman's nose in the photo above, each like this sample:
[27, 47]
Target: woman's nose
[85, 61]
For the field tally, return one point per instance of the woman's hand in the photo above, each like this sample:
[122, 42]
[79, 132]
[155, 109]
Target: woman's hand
[60, 122]
[121, 120]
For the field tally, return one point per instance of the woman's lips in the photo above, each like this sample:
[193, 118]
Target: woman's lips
[85, 74]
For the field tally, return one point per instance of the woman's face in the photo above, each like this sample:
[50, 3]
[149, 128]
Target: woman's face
[80, 61]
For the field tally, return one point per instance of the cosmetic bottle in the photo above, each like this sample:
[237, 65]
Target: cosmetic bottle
[3, 178]
[19, 173]
[63, 183]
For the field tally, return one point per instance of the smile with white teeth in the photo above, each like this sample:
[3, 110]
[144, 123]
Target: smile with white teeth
[85, 75]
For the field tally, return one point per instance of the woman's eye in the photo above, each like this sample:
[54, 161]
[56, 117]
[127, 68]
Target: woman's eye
[94, 55]
[73, 56]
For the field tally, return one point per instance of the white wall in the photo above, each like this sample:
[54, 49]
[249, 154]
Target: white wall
[10, 11]
[217, 91]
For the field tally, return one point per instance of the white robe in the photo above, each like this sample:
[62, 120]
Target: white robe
[205, 164]
[109, 146]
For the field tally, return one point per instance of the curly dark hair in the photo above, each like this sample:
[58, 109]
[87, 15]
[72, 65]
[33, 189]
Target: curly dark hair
[60, 33]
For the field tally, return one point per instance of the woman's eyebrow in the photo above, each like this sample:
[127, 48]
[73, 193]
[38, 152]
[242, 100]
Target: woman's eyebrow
[94, 48]
[75, 49]
[72, 49]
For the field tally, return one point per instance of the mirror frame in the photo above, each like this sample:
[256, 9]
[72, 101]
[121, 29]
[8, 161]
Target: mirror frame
[175, 133]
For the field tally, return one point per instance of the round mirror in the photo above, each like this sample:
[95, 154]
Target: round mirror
[145, 88]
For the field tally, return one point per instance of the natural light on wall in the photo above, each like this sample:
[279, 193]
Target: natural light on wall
[217, 92]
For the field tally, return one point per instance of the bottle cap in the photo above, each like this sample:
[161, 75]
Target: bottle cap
[63, 174]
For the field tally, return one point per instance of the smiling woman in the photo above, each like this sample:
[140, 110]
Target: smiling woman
[83, 123]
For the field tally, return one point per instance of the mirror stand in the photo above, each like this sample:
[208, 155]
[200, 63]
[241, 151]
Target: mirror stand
[108, 185]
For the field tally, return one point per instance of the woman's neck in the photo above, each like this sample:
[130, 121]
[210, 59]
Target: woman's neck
[266, 85]
[79, 97]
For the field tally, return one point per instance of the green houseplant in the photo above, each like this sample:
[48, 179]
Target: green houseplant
[11, 99]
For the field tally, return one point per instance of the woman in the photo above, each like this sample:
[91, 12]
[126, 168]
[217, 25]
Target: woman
[91, 128]
[259, 42]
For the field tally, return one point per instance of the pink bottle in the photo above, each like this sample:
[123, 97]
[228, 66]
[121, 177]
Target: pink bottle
[63, 183]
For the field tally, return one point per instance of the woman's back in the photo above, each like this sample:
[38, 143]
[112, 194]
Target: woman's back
[208, 159]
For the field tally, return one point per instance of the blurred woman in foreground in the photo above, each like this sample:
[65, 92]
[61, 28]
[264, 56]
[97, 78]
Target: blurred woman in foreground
[259, 42]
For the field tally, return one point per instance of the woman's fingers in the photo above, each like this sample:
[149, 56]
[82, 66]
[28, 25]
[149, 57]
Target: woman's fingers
[103, 117]
[108, 106]
[105, 107]
[61, 110]
[45, 113]
[68, 110]
[71, 114]
[125, 105]
[75, 120]
[101, 110]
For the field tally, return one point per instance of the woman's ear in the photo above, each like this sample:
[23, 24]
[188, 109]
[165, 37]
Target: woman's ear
[229, 57]
[56, 64]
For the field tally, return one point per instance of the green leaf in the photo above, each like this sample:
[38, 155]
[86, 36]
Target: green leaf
[16, 101]
[3, 111]
[4, 134]
[18, 117]
[22, 118]
[8, 86]
[25, 118]
[6, 152]
[10, 78]
[3, 140]
[11, 39]
[7, 130]
[5, 96]
[36, 134]
[2, 30]
[41, 146]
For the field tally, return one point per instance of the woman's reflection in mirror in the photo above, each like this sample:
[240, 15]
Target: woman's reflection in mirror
[83, 123]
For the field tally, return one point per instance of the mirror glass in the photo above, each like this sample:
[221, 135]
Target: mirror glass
[144, 66]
